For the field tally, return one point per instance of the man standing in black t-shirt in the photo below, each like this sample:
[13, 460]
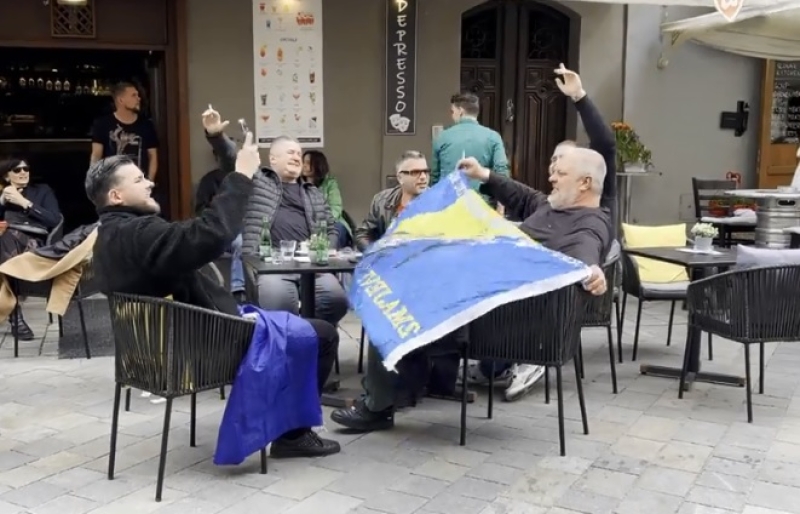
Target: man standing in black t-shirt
[125, 132]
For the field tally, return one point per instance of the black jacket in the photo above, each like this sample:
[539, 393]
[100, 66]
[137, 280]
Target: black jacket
[602, 141]
[44, 213]
[207, 189]
[144, 254]
[382, 211]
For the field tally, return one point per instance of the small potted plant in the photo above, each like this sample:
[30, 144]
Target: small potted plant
[632, 154]
[718, 207]
[704, 234]
[741, 203]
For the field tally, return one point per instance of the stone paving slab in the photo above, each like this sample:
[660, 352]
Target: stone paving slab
[647, 452]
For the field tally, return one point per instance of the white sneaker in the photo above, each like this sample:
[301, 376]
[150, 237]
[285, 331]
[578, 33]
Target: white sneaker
[476, 377]
[154, 400]
[524, 377]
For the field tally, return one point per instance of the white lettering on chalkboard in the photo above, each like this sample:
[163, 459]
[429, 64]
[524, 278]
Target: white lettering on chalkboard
[785, 118]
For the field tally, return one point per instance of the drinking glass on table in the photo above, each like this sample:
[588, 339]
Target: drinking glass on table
[277, 256]
[287, 250]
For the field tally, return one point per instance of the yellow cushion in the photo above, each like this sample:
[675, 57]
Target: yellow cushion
[650, 270]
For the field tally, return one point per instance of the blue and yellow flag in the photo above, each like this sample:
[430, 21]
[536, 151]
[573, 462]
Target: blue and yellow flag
[448, 259]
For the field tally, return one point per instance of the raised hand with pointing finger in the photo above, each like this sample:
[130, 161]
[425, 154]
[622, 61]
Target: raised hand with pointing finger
[569, 83]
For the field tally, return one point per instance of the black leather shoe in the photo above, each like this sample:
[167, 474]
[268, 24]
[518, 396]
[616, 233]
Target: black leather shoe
[309, 444]
[361, 419]
[22, 331]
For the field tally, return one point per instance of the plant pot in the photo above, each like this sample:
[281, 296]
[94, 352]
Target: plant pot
[634, 167]
[718, 212]
[703, 243]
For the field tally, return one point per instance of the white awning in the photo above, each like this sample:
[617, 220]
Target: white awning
[767, 31]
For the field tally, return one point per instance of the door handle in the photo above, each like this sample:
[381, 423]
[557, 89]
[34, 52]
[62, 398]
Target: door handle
[509, 110]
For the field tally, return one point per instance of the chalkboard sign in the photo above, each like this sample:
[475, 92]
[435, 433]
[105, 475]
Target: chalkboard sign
[785, 122]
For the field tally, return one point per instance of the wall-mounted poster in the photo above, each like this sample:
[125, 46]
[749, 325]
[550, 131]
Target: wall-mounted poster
[287, 59]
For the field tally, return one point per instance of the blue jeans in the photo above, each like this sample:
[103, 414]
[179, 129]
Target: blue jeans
[344, 236]
[237, 270]
[499, 368]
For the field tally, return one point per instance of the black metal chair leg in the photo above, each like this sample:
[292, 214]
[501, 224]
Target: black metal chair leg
[222, 393]
[685, 367]
[611, 359]
[263, 461]
[621, 324]
[618, 318]
[710, 348]
[361, 351]
[560, 402]
[760, 368]
[636, 334]
[546, 385]
[60, 326]
[748, 384]
[580, 354]
[581, 400]
[193, 420]
[49, 318]
[671, 319]
[336, 364]
[490, 405]
[15, 322]
[463, 435]
[162, 459]
[83, 329]
[112, 454]
[128, 399]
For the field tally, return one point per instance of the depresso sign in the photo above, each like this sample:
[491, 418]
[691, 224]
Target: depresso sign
[729, 8]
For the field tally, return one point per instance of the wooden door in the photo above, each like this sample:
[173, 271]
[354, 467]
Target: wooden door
[509, 49]
[779, 124]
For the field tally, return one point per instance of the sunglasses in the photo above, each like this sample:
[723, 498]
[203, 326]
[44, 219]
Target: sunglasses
[20, 169]
[415, 173]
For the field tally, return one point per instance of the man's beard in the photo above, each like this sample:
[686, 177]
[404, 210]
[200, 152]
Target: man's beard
[562, 199]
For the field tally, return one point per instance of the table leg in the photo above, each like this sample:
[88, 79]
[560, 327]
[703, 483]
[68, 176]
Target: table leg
[345, 398]
[694, 341]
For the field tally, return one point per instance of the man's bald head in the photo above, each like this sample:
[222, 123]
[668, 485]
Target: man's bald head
[286, 158]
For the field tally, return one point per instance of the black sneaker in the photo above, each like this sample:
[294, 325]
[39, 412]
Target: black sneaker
[361, 419]
[307, 445]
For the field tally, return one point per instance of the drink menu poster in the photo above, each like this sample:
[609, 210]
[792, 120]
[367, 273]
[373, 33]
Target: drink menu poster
[287, 57]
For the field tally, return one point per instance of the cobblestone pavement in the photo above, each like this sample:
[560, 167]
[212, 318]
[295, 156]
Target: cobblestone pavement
[647, 452]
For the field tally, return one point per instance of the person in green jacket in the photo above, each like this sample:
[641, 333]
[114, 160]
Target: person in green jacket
[467, 138]
[317, 171]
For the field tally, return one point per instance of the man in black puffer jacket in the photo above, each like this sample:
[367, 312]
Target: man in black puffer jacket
[293, 210]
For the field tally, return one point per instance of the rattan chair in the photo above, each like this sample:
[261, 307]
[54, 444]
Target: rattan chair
[753, 306]
[544, 330]
[598, 312]
[172, 349]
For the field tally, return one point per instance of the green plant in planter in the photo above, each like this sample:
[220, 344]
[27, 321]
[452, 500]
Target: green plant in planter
[630, 149]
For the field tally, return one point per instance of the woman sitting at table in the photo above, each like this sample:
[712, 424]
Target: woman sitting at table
[317, 171]
[30, 213]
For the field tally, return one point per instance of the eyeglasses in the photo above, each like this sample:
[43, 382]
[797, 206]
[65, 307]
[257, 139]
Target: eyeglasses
[20, 169]
[415, 173]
